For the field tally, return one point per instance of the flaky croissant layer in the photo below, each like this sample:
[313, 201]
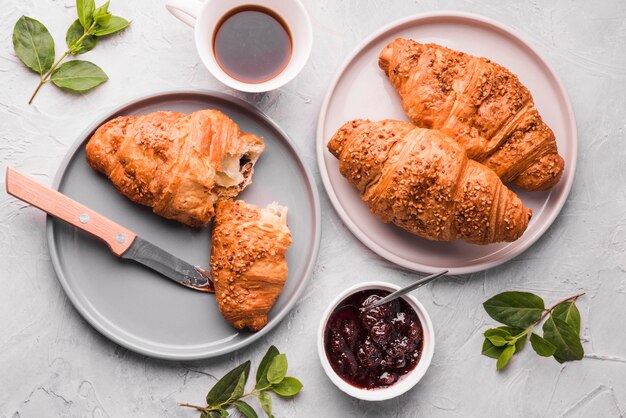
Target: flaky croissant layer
[179, 165]
[422, 181]
[478, 103]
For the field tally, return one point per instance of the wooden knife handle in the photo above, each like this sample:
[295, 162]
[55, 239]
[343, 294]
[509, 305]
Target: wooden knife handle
[58, 205]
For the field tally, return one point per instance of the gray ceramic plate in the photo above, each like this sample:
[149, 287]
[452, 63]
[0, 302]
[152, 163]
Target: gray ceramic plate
[136, 307]
[361, 90]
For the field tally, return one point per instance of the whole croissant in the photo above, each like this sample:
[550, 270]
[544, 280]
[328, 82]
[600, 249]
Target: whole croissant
[422, 181]
[248, 260]
[480, 104]
[179, 165]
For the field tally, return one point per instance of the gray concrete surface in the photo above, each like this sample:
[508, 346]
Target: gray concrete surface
[52, 363]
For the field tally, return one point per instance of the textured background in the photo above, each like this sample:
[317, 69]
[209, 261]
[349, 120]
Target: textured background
[52, 363]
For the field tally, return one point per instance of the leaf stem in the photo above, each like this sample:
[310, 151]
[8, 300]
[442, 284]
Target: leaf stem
[226, 404]
[41, 82]
[549, 310]
[188, 405]
[254, 392]
[46, 76]
[571, 298]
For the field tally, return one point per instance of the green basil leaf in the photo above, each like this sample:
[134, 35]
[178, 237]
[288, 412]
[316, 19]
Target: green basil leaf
[212, 414]
[565, 338]
[85, 10]
[497, 340]
[241, 385]
[115, 24]
[568, 312]
[33, 44]
[102, 10]
[504, 338]
[224, 388]
[505, 356]
[277, 369]
[102, 20]
[78, 76]
[542, 346]
[498, 336]
[289, 386]
[266, 402]
[261, 373]
[245, 409]
[516, 309]
[223, 413]
[500, 332]
[491, 350]
[74, 33]
[204, 414]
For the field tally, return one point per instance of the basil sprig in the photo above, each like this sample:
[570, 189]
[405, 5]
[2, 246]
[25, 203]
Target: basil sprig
[34, 46]
[521, 312]
[271, 376]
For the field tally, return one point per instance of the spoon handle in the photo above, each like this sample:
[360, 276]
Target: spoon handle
[421, 282]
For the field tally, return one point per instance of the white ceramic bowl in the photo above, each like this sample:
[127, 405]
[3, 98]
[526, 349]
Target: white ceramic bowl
[205, 16]
[407, 381]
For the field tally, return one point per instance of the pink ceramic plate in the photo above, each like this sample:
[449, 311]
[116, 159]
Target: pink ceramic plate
[361, 90]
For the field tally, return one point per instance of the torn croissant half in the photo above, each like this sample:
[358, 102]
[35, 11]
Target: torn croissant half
[248, 260]
[422, 181]
[179, 165]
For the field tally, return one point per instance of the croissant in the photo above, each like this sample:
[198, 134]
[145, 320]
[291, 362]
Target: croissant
[422, 181]
[179, 165]
[248, 264]
[480, 104]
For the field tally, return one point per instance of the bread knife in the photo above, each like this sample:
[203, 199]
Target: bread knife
[121, 241]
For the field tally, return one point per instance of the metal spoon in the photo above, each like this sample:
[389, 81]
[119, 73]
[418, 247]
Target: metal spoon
[421, 282]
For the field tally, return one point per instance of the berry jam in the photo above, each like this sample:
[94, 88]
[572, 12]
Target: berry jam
[373, 349]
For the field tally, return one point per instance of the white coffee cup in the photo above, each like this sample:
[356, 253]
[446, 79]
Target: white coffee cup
[205, 16]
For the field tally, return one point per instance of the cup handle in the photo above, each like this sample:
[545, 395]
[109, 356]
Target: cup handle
[186, 11]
